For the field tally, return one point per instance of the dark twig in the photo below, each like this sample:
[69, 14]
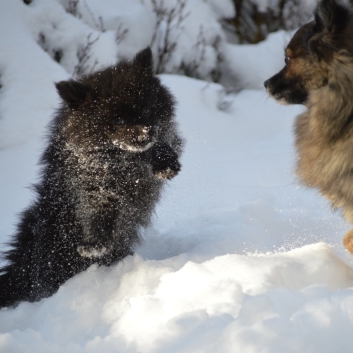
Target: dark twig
[168, 21]
[83, 55]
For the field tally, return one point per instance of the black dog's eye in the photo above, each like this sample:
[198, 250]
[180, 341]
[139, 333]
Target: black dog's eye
[286, 59]
[119, 122]
[146, 112]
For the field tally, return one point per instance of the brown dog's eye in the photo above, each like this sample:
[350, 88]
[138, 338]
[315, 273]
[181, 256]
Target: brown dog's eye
[286, 59]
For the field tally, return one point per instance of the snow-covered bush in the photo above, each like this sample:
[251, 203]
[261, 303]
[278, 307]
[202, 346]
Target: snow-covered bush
[255, 19]
[185, 35]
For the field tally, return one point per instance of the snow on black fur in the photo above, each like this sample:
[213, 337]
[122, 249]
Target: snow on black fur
[111, 146]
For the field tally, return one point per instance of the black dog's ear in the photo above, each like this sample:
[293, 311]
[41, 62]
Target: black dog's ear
[144, 59]
[330, 17]
[72, 92]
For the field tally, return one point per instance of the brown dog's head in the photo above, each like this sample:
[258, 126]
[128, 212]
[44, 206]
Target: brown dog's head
[310, 54]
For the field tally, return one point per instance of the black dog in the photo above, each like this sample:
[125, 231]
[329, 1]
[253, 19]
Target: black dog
[111, 146]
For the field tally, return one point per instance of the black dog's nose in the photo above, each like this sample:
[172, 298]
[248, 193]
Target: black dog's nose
[266, 83]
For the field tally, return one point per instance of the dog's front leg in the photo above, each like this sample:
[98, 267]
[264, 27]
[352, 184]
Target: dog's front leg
[164, 160]
[98, 221]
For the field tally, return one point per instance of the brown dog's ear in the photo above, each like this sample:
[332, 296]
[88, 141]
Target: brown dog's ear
[72, 92]
[330, 17]
[144, 59]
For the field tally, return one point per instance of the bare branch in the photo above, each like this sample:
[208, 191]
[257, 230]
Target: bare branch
[120, 34]
[72, 7]
[83, 55]
[168, 23]
[98, 22]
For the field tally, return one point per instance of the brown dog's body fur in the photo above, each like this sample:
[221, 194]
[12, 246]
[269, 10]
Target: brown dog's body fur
[319, 74]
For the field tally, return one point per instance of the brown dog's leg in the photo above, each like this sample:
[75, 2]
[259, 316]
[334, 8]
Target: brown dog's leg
[348, 241]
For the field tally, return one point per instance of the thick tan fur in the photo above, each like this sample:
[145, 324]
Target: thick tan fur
[324, 140]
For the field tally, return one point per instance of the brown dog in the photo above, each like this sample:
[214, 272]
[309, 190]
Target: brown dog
[319, 74]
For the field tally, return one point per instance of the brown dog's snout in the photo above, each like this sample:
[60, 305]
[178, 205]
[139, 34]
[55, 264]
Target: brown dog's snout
[266, 83]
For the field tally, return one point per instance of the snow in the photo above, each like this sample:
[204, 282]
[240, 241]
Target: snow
[264, 59]
[239, 258]
[305, 5]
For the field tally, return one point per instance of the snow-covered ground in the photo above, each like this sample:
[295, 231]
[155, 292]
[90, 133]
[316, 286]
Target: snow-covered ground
[239, 258]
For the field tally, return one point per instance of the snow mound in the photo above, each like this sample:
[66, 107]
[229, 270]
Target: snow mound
[226, 304]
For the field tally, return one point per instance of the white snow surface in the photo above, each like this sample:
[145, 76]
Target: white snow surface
[239, 257]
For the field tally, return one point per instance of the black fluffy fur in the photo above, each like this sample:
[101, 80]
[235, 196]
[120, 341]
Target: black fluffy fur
[111, 145]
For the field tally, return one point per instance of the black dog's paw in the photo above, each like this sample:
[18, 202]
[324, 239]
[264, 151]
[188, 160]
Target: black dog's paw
[164, 171]
[94, 249]
[165, 164]
[96, 243]
[165, 174]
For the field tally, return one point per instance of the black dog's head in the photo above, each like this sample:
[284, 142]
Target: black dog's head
[310, 55]
[124, 106]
